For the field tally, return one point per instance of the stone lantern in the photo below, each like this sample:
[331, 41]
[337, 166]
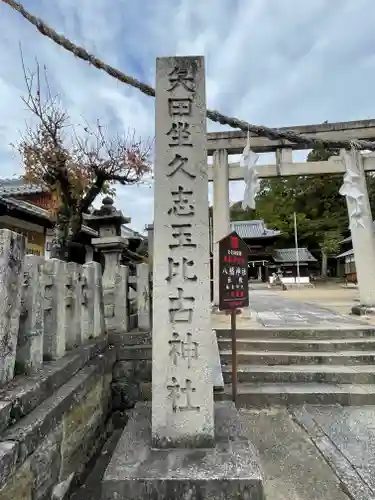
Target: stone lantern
[107, 220]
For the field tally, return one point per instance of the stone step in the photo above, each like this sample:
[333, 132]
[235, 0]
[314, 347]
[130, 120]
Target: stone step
[339, 332]
[328, 345]
[299, 358]
[130, 352]
[261, 395]
[286, 374]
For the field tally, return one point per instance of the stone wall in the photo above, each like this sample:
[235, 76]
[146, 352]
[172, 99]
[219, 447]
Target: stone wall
[55, 368]
[52, 423]
[133, 368]
[56, 365]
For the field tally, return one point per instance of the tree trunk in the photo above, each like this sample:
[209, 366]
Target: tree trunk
[324, 264]
[58, 250]
[67, 228]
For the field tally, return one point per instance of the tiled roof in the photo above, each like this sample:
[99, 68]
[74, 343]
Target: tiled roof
[25, 206]
[345, 254]
[289, 255]
[252, 229]
[37, 211]
[346, 240]
[18, 186]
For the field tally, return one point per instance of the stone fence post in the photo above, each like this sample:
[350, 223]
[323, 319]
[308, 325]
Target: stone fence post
[55, 314]
[49, 306]
[93, 324]
[12, 253]
[31, 328]
[143, 297]
[121, 311]
[74, 294]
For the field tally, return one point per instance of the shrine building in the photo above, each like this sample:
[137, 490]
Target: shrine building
[261, 243]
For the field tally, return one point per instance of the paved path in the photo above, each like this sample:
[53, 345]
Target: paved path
[346, 439]
[315, 452]
[272, 310]
[293, 467]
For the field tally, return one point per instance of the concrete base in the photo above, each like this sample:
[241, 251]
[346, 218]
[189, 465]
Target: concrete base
[228, 471]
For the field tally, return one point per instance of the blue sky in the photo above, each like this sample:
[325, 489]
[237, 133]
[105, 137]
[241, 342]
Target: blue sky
[271, 62]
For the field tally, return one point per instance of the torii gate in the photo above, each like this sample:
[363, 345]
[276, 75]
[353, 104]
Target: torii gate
[221, 144]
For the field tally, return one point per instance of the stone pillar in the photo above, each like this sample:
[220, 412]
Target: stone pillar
[115, 293]
[361, 226]
[54, 280]
[73, 301]
[30, 336]
[88, 304]
[221, 210]
[116, 302]
[182, 387]
[112, 263]
[143, 297]
[93, 312]
[121, 316]
[12, 253]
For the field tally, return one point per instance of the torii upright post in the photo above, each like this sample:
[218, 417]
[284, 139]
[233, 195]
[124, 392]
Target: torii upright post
[361, 228]
[221, 211]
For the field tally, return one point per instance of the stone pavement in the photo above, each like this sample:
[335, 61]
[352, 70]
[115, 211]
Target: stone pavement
[293, 467]
[271, 309]
[345, 437]
[315, 452]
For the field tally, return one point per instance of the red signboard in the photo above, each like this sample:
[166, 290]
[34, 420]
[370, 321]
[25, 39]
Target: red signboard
[233, 269]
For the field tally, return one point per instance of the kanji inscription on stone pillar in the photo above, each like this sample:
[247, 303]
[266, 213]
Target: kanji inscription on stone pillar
[182, 391]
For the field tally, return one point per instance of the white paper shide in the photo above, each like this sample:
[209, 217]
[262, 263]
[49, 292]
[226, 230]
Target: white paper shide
[252, 183]
[353, 190]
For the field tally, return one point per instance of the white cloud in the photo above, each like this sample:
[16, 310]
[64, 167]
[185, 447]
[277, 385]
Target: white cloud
[272, 62]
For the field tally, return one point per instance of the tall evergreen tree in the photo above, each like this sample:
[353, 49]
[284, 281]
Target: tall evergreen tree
[322, 216]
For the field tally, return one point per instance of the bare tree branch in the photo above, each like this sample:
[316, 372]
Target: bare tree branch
[77, 170]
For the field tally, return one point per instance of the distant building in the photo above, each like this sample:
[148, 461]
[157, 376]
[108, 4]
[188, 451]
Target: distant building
[285, 260]
[25, 209]
[138, 246]
[345, 260]
[265, 259]
[261, 242]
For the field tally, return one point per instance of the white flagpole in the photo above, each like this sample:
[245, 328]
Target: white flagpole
[296, 245]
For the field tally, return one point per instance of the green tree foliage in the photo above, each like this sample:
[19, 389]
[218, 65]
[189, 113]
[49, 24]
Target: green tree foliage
[322, 216]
